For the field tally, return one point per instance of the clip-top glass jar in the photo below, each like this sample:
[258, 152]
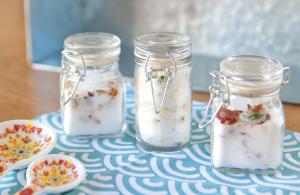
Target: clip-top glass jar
[92, 91]
[249, 122]
[163, 90]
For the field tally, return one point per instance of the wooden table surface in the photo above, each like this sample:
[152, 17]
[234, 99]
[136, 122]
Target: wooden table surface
[26, 93]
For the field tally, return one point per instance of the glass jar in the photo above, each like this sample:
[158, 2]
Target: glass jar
[92, 91]
[249, 122]
[163, 90]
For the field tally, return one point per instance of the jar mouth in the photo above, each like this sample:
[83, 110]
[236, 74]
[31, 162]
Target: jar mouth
[253, 75]
[162, 45]
[94, 47]
[251, 68]
[92, 42]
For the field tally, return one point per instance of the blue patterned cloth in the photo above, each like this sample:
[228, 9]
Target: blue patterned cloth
[121, 166]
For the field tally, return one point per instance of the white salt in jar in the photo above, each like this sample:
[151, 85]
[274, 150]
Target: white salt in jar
[248, 127]
[163, 90]
[92, 91]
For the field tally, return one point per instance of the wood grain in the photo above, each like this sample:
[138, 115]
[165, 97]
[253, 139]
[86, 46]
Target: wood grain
[26, 93]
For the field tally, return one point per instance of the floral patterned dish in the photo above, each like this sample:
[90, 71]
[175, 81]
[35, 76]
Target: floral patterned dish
[53, 173]
[22, 141]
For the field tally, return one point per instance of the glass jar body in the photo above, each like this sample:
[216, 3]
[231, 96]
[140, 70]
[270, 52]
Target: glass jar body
[97, 106]
[170, 129]
[248, 133]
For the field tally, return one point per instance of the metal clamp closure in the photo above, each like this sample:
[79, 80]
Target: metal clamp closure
[217, 93]
[286, 75]
[66, 69]
[151, 73]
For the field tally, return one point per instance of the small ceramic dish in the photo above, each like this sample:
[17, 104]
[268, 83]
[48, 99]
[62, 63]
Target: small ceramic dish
[53, 173]
[22, 141]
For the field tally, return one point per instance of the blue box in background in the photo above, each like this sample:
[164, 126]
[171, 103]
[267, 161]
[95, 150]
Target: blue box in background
[51, 21]
[218, 29]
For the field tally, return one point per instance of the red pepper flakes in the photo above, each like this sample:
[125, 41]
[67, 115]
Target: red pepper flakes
[227, 116]
[113, 92]
[268, 117]
[256, 109]
[90, 94]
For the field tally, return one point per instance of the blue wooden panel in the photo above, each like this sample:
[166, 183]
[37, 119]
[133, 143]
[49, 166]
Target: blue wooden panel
[50, 22]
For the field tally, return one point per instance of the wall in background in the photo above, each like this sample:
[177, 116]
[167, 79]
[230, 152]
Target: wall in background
[218, 29]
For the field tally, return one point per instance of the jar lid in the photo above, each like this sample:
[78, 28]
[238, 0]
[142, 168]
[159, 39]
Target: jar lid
[162, 45]
[253, 75]
[95, 47]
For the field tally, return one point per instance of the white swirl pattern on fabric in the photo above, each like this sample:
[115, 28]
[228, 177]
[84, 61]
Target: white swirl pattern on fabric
[121, 166]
